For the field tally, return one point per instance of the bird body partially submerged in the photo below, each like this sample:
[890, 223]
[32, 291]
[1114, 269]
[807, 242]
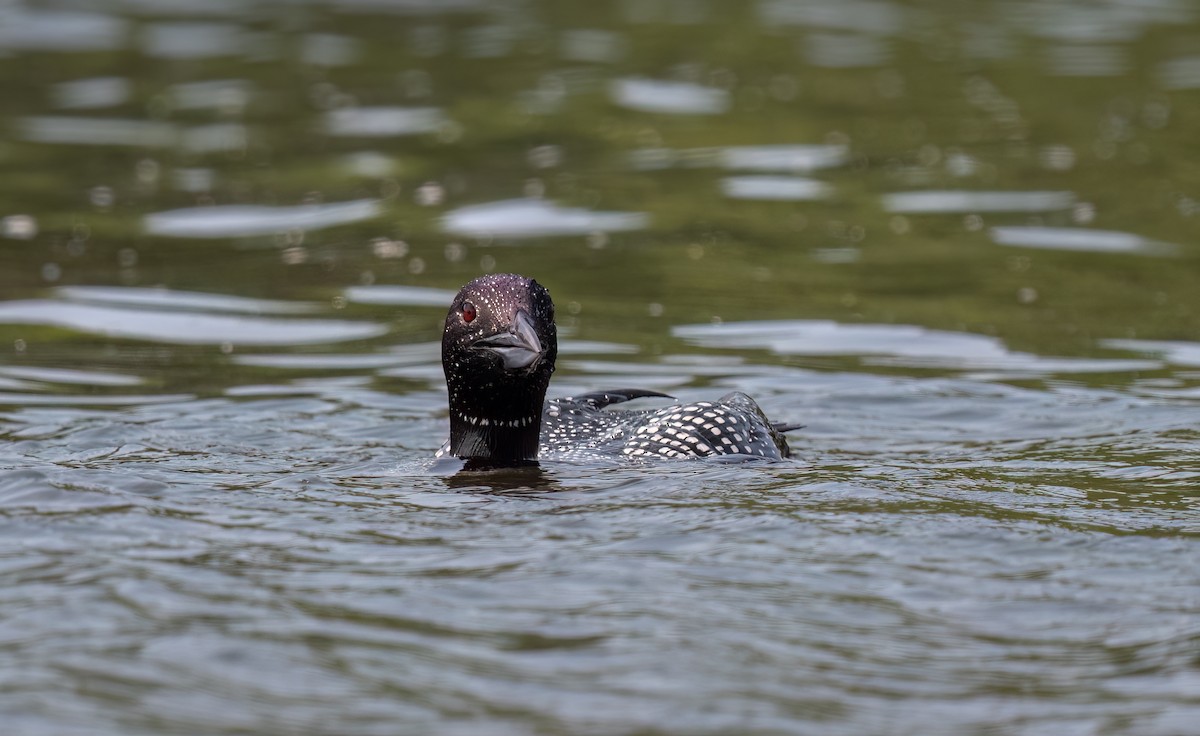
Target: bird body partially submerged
[498, 352]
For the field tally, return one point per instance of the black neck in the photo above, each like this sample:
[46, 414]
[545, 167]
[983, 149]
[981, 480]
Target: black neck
[499, 443]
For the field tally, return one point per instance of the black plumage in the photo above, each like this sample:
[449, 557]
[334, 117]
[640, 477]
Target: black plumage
[498, 352]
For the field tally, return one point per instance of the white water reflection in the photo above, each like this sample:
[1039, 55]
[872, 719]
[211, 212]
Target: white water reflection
[782, 159]
[214, 138]
[14, 384]
[18, 227]
[54, 30]
[185, 8]
[384, 122]
[963, 201]
[211, 138]
[1098, 22]
[782, 188]
[91, 93]
[408, 296]
[69, 376]
[184, 328]
[864, 16]
[906, 346]
[836, 255]
[228, 221]
[662, 96]
[76, 400]
[1180, 73]
[162, 298]
[1176, 352]
[187, 40]
[368, 164]
[98, 131]
[530, 218]
[1079, 239]
[413, 8]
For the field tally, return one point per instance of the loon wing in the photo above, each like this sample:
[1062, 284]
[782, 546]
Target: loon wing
[601, 399]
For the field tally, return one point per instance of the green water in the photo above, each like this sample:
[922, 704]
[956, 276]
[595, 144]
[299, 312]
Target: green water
[970, 229]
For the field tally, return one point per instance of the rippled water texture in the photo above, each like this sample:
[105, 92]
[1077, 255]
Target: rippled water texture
[956, 240]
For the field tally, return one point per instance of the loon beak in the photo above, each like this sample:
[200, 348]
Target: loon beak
[519, 347]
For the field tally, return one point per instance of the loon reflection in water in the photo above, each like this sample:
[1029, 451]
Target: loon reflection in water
[498, 352]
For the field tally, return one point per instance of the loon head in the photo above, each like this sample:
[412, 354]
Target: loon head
[498, 351]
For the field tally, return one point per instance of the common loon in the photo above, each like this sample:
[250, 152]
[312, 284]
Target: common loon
[498, 351]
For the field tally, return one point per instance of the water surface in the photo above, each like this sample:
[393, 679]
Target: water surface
[956, 241]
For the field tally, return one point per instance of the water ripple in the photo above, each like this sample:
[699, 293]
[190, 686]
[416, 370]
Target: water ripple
[954, 202]
[184, 328]
[781, 188]
[230, 221]
[377, 122]
[161, 298]
[676, 98]
[894, 345]
[1080, 239]
[531, 218]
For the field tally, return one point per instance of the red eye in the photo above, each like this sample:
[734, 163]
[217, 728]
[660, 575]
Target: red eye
[468, 312]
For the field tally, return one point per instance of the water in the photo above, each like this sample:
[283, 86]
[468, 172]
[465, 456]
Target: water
[956, 241]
